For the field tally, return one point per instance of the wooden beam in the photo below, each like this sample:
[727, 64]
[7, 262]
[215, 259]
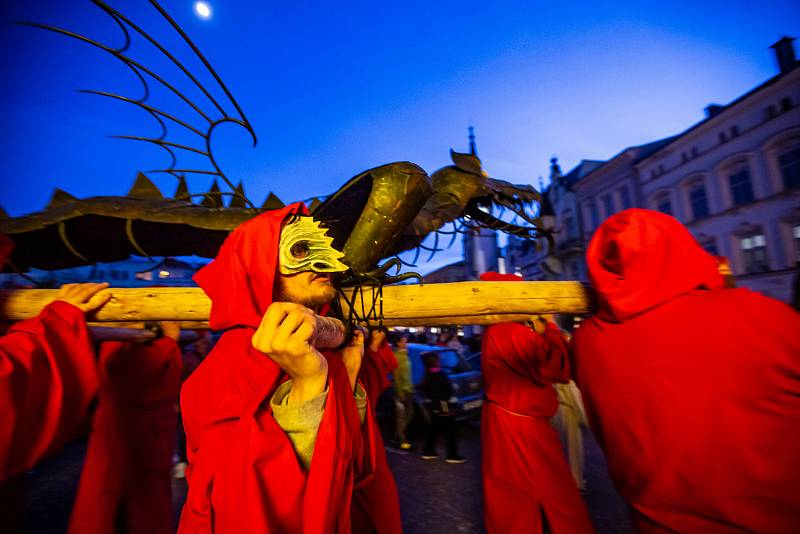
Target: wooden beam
[401, 305]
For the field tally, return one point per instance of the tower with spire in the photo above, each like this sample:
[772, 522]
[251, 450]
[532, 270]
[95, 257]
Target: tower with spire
[473, 149]
[480, 245]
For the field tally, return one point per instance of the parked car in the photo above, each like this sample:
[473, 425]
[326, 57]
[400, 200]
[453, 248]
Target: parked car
[474, 361]
[467, 382]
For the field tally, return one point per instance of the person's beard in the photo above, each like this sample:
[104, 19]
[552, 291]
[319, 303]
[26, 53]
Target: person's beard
[313, 296]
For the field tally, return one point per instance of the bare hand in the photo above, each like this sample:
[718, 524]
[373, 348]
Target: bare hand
[85, 297]
[171, 329]
[352, 355]
[286, 335]
[376, 339]
[539, 323]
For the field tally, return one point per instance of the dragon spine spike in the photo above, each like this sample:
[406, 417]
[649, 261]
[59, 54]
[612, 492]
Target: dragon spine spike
[60, 198]
[182, 192]
[272, 202]
[143, 187]
[213, 198]
[239, 198]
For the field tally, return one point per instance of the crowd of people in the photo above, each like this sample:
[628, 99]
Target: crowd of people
[691, 387]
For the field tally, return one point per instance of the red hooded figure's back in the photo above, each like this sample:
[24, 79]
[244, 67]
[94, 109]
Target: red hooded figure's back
[243, 473]
[693, 390]
[127, 472]
[526, 479]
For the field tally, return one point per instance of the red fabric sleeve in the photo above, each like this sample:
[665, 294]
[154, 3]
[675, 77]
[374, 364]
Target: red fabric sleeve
[48, 378]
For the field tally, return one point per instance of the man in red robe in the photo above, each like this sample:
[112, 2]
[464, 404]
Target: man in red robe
[264, 456]
[125, 484]
[692, 389]
[376, 505]
[48, 377]
[527, 484]
[48, 381]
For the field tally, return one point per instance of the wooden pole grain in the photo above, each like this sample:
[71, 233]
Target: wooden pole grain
[401, 305]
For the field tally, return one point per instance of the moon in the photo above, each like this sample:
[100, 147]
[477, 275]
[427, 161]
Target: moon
[203, 10]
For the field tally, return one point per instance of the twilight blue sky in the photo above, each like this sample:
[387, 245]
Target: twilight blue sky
[334, 88]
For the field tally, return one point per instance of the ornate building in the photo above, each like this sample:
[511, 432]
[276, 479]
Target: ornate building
[733, 179]
[559, 212]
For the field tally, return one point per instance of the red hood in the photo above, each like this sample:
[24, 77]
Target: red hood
[638, 259]
[6, 247]
[491, 276]
[239, 280]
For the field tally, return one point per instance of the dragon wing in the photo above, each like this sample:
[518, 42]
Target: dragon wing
[196, 118]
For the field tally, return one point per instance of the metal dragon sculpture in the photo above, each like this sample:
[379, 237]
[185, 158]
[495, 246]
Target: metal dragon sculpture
[374, 216]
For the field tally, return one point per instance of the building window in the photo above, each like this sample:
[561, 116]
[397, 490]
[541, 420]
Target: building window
[608, 205]
[790, 168]
[710, 246]
[754, 253]
[796, 235]
[786, 104]
[699, 200]
[771, 112]
[741, 187]
[734, 131]
[684, 158]
[100, 274]
[570, 227]
[624, 197]
[123, 275]
[594, 217]
[664, 205]
[722, 137]
[695, 152]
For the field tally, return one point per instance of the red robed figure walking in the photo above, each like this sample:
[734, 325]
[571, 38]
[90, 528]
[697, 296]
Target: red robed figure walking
[526, 479]
[127, 472]
[376, 504]
[48, 379]
[693, 390]
[243, 473]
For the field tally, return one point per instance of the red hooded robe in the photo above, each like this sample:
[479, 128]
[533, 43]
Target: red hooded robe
[48, 380]
[126, 476]
[243, 473]
[376, 504]
[525, 473]
[693, 390]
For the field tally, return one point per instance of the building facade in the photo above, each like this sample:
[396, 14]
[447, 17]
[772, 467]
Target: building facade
[133, 272]
[733, 179]
[560, 213]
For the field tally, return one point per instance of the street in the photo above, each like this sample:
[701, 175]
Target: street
[434, 496]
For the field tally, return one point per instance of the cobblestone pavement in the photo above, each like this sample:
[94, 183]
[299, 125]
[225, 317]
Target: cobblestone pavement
[440, 497]
[434, 496]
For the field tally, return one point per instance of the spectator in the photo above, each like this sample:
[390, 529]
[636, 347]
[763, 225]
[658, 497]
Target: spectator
[403, 392]
[439, 391]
